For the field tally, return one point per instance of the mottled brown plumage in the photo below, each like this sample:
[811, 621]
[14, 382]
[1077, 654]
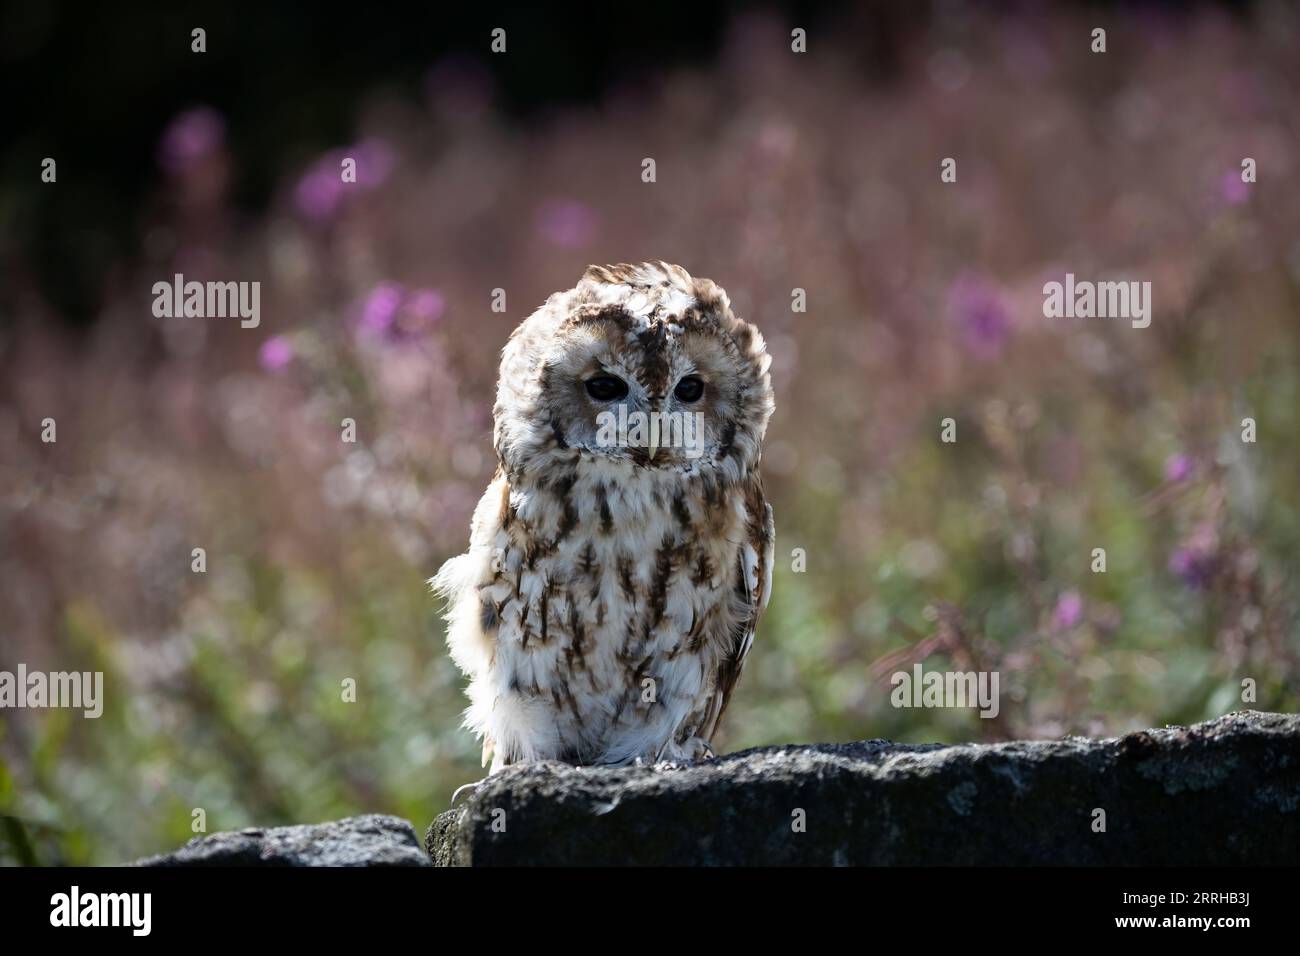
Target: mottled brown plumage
[612, 586]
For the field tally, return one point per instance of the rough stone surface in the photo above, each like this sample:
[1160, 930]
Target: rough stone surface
[1223, 792]
[372, 840]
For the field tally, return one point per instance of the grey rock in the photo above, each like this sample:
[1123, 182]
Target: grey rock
[372, 840]
[1222, 792]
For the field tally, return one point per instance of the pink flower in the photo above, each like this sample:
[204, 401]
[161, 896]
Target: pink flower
[1068, 612]
[426, 305]
[1196, 559]
[1178, 467]
[275, 353]
[319, 191]
[1194, 567]
[381, 306]
[1231, 189]
[976, 305]
[190, 137]
[321, 188]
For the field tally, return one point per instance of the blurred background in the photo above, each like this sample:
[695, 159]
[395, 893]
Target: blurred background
[515, 171]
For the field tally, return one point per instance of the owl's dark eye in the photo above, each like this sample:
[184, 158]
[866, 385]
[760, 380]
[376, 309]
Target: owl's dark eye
[606, 388]
[689, 389]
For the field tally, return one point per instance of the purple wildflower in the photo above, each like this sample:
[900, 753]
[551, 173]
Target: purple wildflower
[275, 353]
[318, 192]
[977, 307]
[1231, 188]
[1195, 560]
[1178, 467]
[381, 307]
[426, 305]
[1194, 567]
[1068, 611]
[321, 188]
[191, 136]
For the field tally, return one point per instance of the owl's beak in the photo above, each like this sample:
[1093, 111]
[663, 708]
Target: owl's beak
[653, 439]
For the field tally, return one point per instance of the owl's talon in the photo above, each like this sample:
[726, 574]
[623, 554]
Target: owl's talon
[697, 749]
[468, 786]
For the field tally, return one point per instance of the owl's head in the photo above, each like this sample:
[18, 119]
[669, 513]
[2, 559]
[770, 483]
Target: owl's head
[641, 364]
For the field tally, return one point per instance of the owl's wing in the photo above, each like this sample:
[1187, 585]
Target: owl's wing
[458, 582]
[753, 587]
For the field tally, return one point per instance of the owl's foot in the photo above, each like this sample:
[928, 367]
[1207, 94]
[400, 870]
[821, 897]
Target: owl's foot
[674, 756]
[471, 787]
[699, 749]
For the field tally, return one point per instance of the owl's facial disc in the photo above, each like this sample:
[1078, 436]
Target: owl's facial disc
[639, 364]
[651, 397]
[641, 425]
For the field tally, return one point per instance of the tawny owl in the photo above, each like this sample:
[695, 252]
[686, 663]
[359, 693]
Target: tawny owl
[622, 554]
